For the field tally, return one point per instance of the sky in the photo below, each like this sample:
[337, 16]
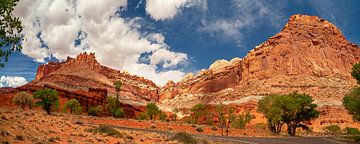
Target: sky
[160, 40]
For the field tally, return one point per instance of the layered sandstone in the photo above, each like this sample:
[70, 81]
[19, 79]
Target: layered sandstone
[84, 73]
[309, 55]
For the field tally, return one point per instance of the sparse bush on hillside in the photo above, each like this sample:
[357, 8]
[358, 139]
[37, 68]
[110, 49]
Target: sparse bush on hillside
[184, 138]
[241, 120]
[332, 129]
[48, 99]
[199, 110]
[95, 111]
[163, 116]
[113, 107]
[152, 110]
[352, 131]
[142, 116]
[23, 99]
[110, 131]
[73, 106]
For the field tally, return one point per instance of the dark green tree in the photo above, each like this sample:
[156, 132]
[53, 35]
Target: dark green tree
[152, 110]
[351, 102]
[73, 106]
[199, 111]
[113, 107]
[48, 99]
[23, 99]
[10, 29]
[355, 73]
[95, 111]
[270, 107]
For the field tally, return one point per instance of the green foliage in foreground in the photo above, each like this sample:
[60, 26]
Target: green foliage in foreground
[332, 129]
[95, 111]
[351, 102]
[355, 73]
[23, 99]
[199, 110]
[352, 131]
[48, 99]
[73, 106]
[292, 109]
[113, 107]
[152, 110]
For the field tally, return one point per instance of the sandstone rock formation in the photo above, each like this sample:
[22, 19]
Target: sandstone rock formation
[309, 55]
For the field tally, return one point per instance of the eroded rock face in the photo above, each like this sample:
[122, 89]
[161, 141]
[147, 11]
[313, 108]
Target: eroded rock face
[85, 73]
[309, 55]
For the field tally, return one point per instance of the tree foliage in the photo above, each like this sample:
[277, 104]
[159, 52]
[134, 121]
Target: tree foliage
[152, 110]
[10, 29]
[355, 73]
[113, 107]
[117, 85]
[199, 110]
[351, 102]
[332, 129]
[73, 106]
[48, 99]
[23, 99]
[293, 109]
[241, 120]
[95, 111]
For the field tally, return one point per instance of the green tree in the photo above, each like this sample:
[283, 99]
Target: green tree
[10, 29]
[152, 110]
[73, 106]
[351, 102]
[95, 111]
[241, 120]
[220, 114]
[48, 99]
[293, 109]
[355, 73]
[332, 129]
[117, 85]
[113, 107]
[23, 99]
[199, 110]
[272, 111]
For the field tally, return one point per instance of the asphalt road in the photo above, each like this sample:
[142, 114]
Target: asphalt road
[254, 140]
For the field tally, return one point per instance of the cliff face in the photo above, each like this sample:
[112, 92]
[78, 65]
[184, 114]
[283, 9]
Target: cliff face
[309, 55]
[84, 73]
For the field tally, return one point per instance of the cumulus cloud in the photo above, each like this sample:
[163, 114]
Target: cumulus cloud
[247, 14]
[12, 81]
[164, 9]
[58, 28]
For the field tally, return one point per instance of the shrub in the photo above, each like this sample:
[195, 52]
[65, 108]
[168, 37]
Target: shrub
[142, 116]
[163, 116]
[357, 138]
[332, 129]
[113, 107]
[74, 106]
[95, 111]
[199, 110]
[110, 131]
[23, 99]
[352, 131]
[151, 110]
[48, 99]
[184, 138]
[241, 120]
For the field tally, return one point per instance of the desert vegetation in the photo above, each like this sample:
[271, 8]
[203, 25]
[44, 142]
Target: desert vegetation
[23, 99]
[48, 99]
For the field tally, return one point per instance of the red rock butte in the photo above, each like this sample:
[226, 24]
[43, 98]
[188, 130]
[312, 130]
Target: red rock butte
[310, 55]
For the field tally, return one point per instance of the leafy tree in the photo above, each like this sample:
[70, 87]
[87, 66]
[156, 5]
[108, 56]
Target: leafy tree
[351, 102]
[220, 114]
[48, 99]
[152, 109]
[355, 73]
[95, 111]
[293, 109]
[199, 110]
[272, 111]
[113, 107]
[241, 120]
[10, 29]
[74, 106]
[117, 85]
[23, 99]
[352, 131]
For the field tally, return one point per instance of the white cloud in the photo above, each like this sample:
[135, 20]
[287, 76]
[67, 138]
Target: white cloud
[164, 9]
[246, 14]
[53, 26]
[12, 81]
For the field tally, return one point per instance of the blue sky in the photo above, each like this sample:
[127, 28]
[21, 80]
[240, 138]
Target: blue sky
[188, 37]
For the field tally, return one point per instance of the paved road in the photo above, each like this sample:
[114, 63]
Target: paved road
[254, 140]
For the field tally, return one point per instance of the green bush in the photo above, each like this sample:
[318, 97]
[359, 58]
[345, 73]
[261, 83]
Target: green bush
[48, 99]
[184, 138]
[73, 106]
[151, 110]
[352, 131]
[95, 111]
[163, 116]
[142, 116]
[23, 99]
[113, 107]
[199, 110]
[332, 129]
[119, 113]
[241, 120]
[357, 138]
